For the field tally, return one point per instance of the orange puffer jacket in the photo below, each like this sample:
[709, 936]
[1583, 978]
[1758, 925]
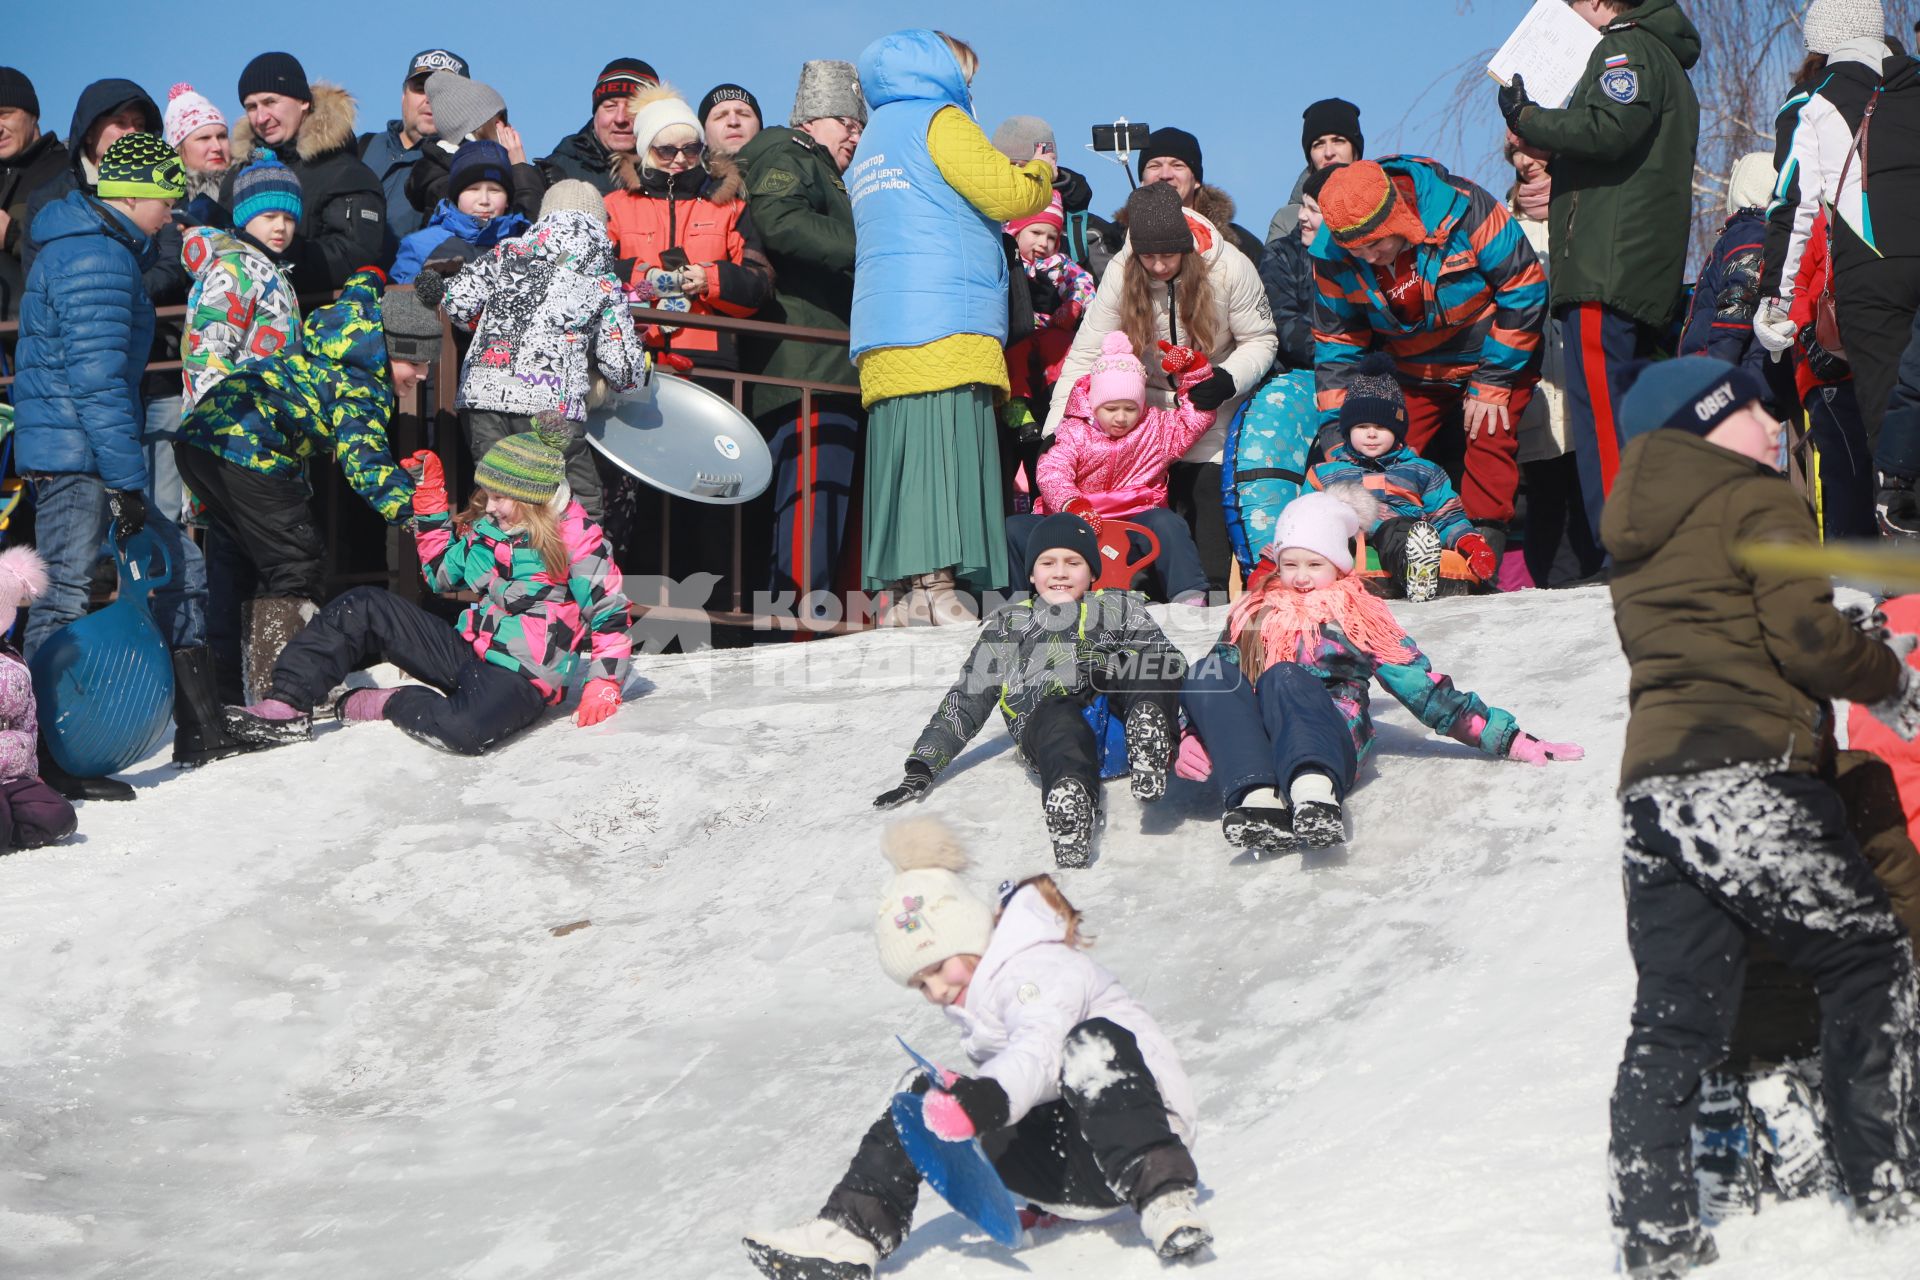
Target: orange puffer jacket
[701, 213]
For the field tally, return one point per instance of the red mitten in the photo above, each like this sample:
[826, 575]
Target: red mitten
[429, 482]
[675, 361]
[1084, 509]
[600, 699]
[1175, 361]
[1068, 314]
[1480, 558]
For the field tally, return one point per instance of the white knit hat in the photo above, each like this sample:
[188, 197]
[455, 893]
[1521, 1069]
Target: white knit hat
[657, 114]
[188, 112]
[1750, 185]
[1831, 23]
[23, 577]
[1326, 523]
[571, 193]
[927, 914]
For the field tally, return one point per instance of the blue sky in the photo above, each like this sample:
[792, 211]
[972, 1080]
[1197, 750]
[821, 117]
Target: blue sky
[1237, 82]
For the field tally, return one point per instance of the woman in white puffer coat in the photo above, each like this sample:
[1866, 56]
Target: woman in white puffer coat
[1078, 1097]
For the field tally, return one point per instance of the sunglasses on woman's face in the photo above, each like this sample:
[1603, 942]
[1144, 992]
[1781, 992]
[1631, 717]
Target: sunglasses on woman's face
[692, 151]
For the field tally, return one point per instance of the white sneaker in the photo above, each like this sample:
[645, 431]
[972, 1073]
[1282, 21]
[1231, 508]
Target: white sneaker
[1173, 1224]
[816, 1250]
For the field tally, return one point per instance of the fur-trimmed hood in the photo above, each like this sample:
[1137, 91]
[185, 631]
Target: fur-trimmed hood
[720, 181]
[1209, 201]
[327, 128]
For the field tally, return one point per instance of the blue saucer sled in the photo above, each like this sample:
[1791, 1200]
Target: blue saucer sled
[959, 1171]
[104, 682]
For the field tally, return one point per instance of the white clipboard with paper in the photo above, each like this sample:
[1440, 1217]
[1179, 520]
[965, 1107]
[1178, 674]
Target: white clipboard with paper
[1550, 47]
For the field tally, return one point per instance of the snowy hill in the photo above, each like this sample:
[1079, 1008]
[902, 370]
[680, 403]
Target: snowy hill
[320, 1012]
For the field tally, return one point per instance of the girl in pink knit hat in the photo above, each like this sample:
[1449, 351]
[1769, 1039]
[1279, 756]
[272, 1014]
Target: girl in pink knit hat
[1110, 457]
[1281, 706]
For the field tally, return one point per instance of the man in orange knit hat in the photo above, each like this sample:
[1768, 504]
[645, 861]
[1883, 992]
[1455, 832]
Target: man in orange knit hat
[1463, 347]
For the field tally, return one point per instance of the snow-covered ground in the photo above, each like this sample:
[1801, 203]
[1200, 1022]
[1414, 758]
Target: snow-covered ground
[596, 1004]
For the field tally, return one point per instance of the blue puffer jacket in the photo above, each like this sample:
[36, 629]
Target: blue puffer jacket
[929, 265]
[448, 223]
[85, 328]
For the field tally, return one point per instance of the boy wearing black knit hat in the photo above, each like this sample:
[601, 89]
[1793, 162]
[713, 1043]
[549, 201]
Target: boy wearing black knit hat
[1056, 666]
[1173, 156]
[1424, 513]
[1733, 827]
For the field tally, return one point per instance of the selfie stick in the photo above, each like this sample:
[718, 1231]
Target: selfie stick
[1121, 155]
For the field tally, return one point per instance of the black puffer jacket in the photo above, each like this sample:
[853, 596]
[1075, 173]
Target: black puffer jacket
[581, 155]
[1287, 272]
[343, 209]
[33, 168]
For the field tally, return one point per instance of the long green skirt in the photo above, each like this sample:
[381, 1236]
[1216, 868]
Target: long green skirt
[933, 489]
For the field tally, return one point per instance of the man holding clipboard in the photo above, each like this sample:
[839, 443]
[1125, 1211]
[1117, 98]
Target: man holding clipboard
[1623, 155]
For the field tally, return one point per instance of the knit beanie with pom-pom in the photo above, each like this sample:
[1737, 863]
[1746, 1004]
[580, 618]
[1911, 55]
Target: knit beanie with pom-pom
[575, 195]
[1374, 399]
[410, 318]
[1117, 373]
[188, 112]
[527, 467]
[23, 577]
[1325, 523]
[927, 914]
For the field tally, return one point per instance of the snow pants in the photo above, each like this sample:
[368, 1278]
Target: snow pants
[1102, 1149]
[1846, 462]
[1709, 857]
[1266, 733]
[1556, 536]
[813, 486]
[32, 814]
[1057, 741]
[1485, 469]
[1193, 491]
[1878, 301]
[477, 704]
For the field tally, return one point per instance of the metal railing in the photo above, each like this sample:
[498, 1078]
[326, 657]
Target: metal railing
[411, 429]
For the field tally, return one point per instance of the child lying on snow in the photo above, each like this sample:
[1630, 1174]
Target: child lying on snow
[1281, 705]
[1078, 1099]
[550, 609]
[1043, 662]
[1423, 512]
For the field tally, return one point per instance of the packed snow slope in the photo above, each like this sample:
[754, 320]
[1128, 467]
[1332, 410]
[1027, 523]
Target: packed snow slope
[594, 1005]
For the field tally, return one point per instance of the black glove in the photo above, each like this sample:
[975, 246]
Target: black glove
[1214, 392]
[129, 513]
[1045, 294]
[914, 784]
[1821, 363]
[1514, 102]
[984, 1101]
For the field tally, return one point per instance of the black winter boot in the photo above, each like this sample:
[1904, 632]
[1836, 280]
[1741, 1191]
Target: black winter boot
[1261, 823]
[79, 788]
[1070, 814]
[1149, 750]
[199, 736]
[1898, 506]
[1644, 1258]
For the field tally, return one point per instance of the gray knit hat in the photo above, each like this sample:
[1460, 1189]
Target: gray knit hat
[411, 318]
[572, 193]
[1155, 221]
[461, 105]
[1831, 23]
[828, 89]
[1017, 136]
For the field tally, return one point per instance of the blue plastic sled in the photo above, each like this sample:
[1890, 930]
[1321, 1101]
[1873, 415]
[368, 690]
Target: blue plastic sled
[104, 682]
[959, 1171]
[1110, 735]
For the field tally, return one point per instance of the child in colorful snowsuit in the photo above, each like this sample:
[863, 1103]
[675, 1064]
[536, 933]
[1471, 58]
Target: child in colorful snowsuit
[1040, 1023]
[31, 812]
[546, 311]
[1110, 457]
[243, 451]
[1045, 662]
[1281, 705]
[551, 610]
[242, 306]
[1060, 291]
[1424, 514]
[476, 214]
[1734, 829]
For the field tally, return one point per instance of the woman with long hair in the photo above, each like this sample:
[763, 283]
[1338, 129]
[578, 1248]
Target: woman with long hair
[1179, 279]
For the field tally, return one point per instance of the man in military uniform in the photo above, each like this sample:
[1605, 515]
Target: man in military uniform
[800, 206]
[1623, 153]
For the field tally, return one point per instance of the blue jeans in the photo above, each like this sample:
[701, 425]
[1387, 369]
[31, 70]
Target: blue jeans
[1267, 733]
[166, 493]
[70, 523]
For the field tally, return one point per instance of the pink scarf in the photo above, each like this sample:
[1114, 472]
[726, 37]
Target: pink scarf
[1285, 617]
[1534, 197]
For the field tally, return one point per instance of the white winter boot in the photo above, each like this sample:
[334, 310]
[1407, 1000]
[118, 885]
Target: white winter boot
[1317, 821]
[1173, 1223]
[816, 1250]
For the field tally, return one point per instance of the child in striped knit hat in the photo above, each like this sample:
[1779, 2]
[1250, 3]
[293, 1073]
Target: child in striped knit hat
[551, 612]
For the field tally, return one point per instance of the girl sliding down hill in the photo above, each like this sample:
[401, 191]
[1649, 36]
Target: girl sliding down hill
[1077, 1096]
[550, 609]
[1281, 705]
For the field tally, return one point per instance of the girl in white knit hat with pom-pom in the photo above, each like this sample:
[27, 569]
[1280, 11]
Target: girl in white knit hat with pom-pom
[31, 812]
[1077, 1096]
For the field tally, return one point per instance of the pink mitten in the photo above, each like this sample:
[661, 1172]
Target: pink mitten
[1531, 750]
[947, 1119]
[1193, 763]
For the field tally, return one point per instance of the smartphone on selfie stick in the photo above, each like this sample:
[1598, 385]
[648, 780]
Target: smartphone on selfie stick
[1120, 140]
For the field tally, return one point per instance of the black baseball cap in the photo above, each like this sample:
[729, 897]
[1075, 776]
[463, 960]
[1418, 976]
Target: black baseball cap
[428, 61]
